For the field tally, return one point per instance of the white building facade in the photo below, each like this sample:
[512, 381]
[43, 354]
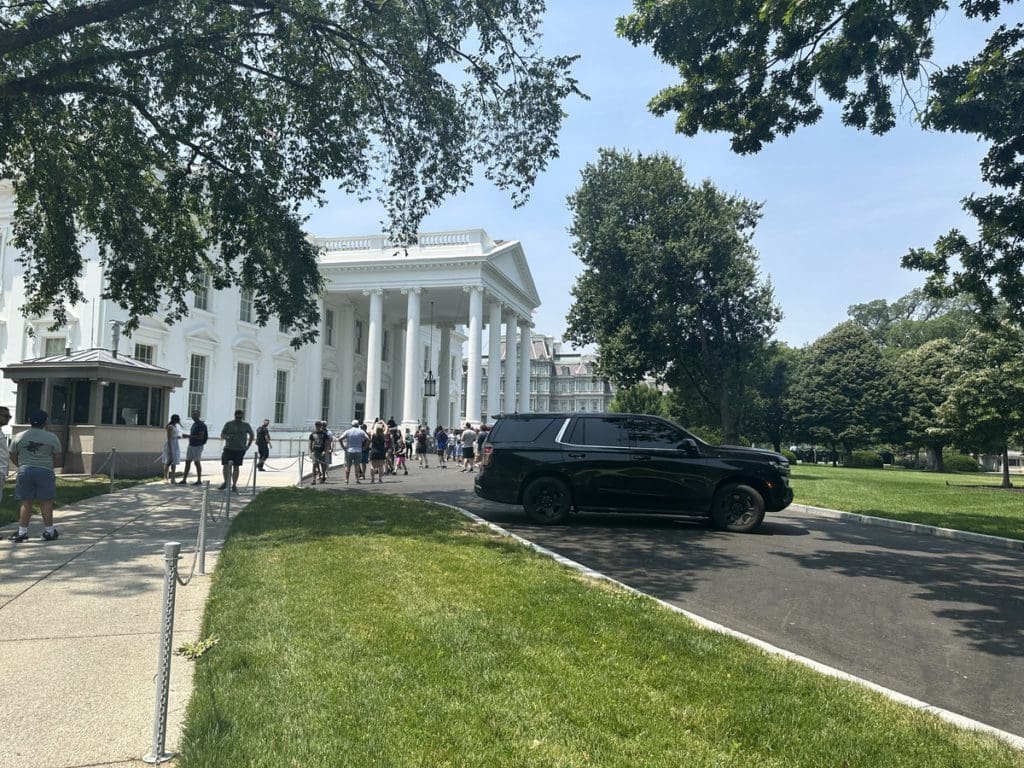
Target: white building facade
[390, 319]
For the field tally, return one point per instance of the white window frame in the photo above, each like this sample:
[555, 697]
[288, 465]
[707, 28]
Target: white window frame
[201, 295]
[196, 394]
[49, 346]
[329, 327]
[243, 386]
[245, 305]
[146, 356]
[281, 396]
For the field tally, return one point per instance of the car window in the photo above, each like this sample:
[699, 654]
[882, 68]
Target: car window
[604, 432]
[653, 433]
[512, 430]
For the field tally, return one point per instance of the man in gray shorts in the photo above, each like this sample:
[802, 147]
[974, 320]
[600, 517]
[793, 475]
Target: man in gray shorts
[197, 437]
[33, 451]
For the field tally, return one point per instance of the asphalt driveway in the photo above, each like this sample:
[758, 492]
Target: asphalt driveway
[935, 619]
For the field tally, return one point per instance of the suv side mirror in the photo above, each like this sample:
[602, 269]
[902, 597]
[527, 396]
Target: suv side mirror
[689, 447]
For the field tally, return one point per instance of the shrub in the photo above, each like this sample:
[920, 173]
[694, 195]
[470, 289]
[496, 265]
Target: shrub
[957, 462]
[865, 460]
[910, 462]
[789, 455]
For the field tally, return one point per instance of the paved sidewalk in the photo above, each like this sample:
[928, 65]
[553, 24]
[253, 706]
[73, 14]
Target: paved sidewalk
[80, 621]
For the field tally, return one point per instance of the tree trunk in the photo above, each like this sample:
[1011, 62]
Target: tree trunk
[935, 458]
[1006, 467]
[730, 419]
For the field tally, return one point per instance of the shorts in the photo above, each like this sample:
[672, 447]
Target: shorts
[263, 449]
[378, 455]
[194, 453]
[320, 457]
[35, 484]
[467, 452]
[232, 457]
[353, 458]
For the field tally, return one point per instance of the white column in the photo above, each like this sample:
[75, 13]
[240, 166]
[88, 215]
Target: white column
[373, 342]
[444, 377]
[476, 321]
[394, 407]
[346, 364]
[525, 343]
[399, 375]
[314, 373]
[494, 362]
[511, 368]
[411, 387]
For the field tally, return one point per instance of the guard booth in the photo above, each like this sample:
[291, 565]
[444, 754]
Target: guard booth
[97, 402]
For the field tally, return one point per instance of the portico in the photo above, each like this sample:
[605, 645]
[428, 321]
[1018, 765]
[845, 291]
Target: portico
[400, 313]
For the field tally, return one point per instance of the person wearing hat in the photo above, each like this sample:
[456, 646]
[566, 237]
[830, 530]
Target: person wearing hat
[352, 441]
[33, 451]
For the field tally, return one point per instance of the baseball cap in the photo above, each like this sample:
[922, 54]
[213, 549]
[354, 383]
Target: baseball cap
[37, 418]
[355, 422]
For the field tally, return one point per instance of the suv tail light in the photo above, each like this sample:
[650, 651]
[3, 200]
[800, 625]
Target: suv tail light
[486, 459]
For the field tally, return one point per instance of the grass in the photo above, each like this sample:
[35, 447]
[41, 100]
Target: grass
[376, 631]
[918, 497]
[69, 491]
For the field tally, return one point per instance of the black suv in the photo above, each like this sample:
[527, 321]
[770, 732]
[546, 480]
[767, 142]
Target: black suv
[555, 463]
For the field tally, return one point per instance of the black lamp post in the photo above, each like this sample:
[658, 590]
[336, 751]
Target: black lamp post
[430, 383]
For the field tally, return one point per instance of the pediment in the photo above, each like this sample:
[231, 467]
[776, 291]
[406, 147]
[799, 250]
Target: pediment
[202, 334]
[510, 261]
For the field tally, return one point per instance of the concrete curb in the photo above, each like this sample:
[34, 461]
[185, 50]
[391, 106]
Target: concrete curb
[951, 717]
[903, 525]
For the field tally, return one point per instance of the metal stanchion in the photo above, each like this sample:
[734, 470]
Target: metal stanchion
[254, 471]
[227, 501]
[113, 467]
[301, 457]
[202, 528]
[158, 754]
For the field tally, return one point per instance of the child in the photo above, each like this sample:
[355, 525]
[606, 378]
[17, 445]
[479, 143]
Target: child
[400, 451]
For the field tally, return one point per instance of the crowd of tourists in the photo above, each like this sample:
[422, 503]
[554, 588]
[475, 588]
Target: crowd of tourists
[384, 448]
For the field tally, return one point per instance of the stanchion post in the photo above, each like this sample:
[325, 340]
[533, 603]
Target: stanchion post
[227, 502]
[159, 754]
[301, 457]
[254, 471]
[113, 467]
[202, 528]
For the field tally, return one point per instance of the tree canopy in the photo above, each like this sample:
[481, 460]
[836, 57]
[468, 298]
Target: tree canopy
[183, 136]
[758, 69]
[638, 398]
[670, 286]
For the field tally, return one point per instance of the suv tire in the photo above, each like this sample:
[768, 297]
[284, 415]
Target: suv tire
[737, 508]
[547, 501]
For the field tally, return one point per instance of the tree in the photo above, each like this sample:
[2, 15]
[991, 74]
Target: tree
[670, 286]
[842, 396]
[184, 136]
[985, 407]
[639, 398]
[925, 376]
[914, 319]
[771, 416]
[758, 69]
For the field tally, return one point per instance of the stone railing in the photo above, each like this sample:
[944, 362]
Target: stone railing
[453, 239]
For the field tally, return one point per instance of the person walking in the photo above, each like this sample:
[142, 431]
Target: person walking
[171, 453]
[421, 448]
[319, 446]
[441, 441]
[378, 452]
[262, 443]
[352, 440]
[237, 436]
[5, 458]
[33, 451]
[468, 442]
[198, 434]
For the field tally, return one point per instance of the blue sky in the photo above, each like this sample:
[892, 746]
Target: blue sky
[840, 206]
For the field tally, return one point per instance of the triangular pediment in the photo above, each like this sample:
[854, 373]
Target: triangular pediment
[509, 260]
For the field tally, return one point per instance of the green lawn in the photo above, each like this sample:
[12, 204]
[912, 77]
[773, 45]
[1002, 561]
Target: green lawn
[69, 490]
[377, 631]
[919, 497]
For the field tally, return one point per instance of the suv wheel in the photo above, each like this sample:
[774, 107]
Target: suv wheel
[737, 508]
[546, 501]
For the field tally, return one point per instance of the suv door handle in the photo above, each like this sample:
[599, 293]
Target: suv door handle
[576, 455]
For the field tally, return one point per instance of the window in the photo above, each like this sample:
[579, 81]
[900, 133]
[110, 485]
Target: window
[598, 432]
[453, 369]
[243, 376]
[282, 326]
[54, 345]
[144, 353]
[329, 327]
[359, 337]
[280, 396]
[202, 294]
[325, 400]
[196, 383]
[384, 346]
[245, 305]
[132, 405]
[652, 433]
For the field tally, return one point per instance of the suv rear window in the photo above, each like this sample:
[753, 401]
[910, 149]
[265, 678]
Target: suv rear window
[513, 430]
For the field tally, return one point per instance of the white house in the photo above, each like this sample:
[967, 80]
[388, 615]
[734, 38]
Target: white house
[390, 320]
